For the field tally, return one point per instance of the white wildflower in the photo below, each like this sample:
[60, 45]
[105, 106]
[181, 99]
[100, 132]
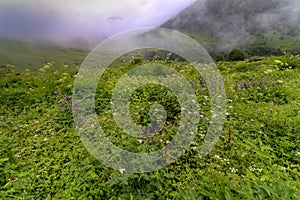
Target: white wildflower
[259, 169]
[283, 168]
[122, 170]
[140, 141]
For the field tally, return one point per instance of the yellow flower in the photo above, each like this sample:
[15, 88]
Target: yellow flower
[56, 73]
[278, 62]
[46, 67]
[50, 64]
[268, 71]
[10, 65]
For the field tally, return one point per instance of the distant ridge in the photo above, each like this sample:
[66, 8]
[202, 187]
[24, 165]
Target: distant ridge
[272, 24]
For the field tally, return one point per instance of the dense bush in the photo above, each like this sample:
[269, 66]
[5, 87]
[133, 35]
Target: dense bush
[219, 57]
[237, 55]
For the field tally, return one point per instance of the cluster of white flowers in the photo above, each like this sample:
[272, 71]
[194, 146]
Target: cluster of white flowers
[222, 159]
[233, 170]
[164, 142]
[252, 169]
[193, 145]
[226, 160]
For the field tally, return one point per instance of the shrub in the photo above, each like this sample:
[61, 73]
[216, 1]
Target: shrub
[219, 57]
[237, 55]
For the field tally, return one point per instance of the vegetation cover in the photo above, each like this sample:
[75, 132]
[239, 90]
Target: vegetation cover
[256, 157]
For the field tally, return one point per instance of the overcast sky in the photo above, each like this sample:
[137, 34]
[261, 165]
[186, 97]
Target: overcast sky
[66, 19]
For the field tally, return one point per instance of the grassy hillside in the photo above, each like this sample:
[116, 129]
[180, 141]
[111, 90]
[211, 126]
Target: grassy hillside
[26, 55]
[257, 156]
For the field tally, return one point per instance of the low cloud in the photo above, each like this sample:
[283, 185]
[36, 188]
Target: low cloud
[62, 20]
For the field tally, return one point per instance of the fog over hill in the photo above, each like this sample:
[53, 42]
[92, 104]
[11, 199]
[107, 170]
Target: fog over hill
[232, 22]
[77, 22]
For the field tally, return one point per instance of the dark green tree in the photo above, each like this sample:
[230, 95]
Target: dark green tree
[237, 55]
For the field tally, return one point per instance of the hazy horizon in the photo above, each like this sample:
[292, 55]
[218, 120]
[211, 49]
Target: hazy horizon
[94, 20]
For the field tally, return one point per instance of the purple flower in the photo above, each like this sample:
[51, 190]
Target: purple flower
[202, 113]
[272, 84]
[55, 92]
[207, 119]
[79, 108]
[266, 82]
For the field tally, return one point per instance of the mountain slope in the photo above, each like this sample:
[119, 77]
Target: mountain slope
[272, 24]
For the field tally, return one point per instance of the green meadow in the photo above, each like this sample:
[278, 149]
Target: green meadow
[256, 157]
